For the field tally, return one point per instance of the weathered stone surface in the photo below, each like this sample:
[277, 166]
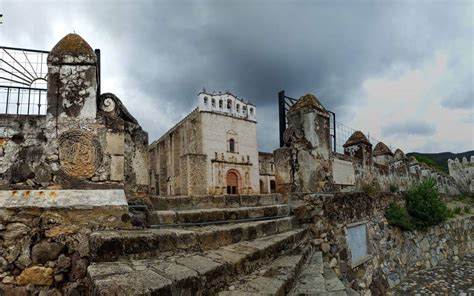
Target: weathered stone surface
[36, 275]
[117, 163]
[62, 198]
[46, 251]
[213, 268]
[78, 267]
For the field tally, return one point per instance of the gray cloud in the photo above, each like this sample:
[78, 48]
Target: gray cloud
[169, 50]
[413, 127]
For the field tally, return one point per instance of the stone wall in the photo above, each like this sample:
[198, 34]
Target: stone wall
[86, 140]
[22, 151]
[463, 173]
[392, 254]
[307, 163]
[44, 237]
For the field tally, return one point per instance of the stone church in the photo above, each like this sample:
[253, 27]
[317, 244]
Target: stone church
[213, 150]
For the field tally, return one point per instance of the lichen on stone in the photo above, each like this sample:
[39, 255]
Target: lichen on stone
[357, 137]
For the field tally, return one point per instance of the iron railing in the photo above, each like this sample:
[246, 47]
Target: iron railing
[23, 81]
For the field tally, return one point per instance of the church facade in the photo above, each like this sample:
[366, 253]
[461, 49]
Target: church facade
[213, 150]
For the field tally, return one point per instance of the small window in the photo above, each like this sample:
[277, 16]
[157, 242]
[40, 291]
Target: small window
[271, 166]
[229, 104]
[213, 102]
[205, 100]
[244, 108]
[231, 145]
[220, 104]
[251, 111]
[237, 108]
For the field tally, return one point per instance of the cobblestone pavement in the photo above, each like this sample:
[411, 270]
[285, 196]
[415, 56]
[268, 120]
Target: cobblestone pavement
[456, 278]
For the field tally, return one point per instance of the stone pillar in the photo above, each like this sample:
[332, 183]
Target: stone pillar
[303, 164]
[358, 147]
[382, 154]
[73, 148]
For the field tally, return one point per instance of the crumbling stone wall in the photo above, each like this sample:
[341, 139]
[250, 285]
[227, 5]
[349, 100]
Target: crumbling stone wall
[393, 254]
[22, 153]
[307, 164]
[86, 140]
[384, 170]
[463, 173]
[304, 165]
[44, 237]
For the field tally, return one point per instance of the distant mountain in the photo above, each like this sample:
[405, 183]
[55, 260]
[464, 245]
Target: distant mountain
[440, 159]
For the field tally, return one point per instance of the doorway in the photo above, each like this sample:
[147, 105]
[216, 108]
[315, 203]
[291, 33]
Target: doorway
[232, 183]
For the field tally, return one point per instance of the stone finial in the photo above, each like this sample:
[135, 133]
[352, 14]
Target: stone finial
[307, 101]
[357, 137]
[399, 154]
[72, 49]
[381, 149]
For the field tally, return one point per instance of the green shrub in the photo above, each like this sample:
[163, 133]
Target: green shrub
[450, 213]
[370, 189]
[424, 205]
[458, 210]
[393, 188]
[398, 216]
[467, 209]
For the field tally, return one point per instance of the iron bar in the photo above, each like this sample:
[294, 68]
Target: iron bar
[19, 64]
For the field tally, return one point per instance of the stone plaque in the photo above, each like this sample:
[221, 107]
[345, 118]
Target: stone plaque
[343, 172]
[357, 241]
[80, 153]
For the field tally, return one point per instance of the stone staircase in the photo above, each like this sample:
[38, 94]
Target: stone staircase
[205, 245]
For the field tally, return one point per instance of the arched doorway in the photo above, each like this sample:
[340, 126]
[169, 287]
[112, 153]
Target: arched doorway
[232, 183]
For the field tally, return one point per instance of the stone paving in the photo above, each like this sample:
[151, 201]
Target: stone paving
[318, 279]
[456, 278]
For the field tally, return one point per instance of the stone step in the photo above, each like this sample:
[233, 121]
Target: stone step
[190, 274]
[178, 203]
[277, 278]
[317, 278]
[112, 245]
[215, 215]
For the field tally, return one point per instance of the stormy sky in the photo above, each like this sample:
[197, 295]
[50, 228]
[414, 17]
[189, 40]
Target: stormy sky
[399, 70]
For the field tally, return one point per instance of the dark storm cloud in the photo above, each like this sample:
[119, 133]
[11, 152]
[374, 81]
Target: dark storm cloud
[417, 128]
[168, 50]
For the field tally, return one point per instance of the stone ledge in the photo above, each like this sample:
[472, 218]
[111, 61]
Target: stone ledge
[62, 199]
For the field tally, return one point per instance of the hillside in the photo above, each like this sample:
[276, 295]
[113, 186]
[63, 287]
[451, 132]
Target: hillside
[440, 159]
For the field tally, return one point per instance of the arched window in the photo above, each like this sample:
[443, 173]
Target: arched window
[213, 102]
[231, 145]
[220, 104]
[251, 111]
[229, 104]
[205, 100]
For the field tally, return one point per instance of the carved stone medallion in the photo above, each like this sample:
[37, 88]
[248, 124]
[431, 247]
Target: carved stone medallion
[79, 153]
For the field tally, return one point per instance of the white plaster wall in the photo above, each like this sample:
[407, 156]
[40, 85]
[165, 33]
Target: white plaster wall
[214, 130]
[238, 108]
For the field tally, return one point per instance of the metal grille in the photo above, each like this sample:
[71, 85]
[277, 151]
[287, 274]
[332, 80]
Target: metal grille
[343, 134]
[23, 81]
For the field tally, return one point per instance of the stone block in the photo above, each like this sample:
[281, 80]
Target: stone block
[116, 168]
[115, 144]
